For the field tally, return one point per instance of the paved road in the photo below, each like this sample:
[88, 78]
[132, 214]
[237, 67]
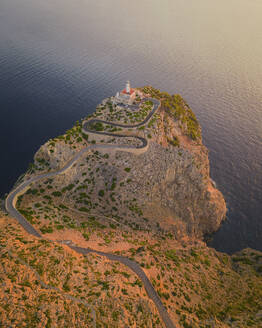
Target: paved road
[135, 267]
[87, 126]
[156, 104]
[11, 199]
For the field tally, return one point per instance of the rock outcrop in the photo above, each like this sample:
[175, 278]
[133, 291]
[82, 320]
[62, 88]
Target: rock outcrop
[166, 187]
[142, 192]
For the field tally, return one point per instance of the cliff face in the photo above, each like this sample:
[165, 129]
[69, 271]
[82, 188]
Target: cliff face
[166, 187]
[146, 196]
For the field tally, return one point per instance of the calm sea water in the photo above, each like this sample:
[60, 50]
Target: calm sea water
[59, 58]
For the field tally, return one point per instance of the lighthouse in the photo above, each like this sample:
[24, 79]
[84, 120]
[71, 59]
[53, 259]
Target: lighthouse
[128, 87]
[126, 96]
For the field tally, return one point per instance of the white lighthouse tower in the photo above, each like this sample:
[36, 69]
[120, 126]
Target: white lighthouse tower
[128, 87]
[126, 96]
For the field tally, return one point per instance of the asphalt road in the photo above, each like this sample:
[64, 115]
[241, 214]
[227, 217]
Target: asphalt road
[156, 104]
[10, 204]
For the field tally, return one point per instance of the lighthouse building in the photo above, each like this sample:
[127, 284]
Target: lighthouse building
[126, 96]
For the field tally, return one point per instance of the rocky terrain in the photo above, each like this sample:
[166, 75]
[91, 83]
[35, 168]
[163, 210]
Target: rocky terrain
[46, 284]
[165, 187]
[152, 202]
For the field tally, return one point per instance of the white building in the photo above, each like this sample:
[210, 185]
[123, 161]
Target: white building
[126, 96]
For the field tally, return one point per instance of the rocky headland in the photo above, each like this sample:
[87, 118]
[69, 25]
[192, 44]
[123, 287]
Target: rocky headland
[133, 181]
[164, 186]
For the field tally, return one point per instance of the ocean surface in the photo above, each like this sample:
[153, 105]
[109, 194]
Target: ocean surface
[59, 58]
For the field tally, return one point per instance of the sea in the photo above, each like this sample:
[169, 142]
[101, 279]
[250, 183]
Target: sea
[60, 58]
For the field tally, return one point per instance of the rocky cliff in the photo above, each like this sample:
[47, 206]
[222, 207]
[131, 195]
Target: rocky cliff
[165, 186]
[131, 181]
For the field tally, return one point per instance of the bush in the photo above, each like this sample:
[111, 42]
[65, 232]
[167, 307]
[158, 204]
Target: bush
[171, 255]
[63, 206]
[57, 193]
[83, 209]
[124, 291]
[46, 229]
[85, 136]
[113, 186]
[86, 236]
[97, 126]
[243, 260]
[174, 142]
[115, 315]
[101, 193]
[27, 215]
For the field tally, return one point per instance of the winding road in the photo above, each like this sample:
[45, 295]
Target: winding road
[10, 203]
[87, 126]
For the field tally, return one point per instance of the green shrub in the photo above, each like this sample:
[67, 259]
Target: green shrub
[101, 193]
[115, 315]
[83, 209]
[46, 229]
[171, 255]
[85, 136]
[124, 291]
[243, 260]
[63, 206]
[57, 193]
[98, 126]
[86, 236]
[174, 142]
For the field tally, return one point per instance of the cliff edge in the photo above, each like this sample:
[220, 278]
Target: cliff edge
[130, 181]
[163, 184]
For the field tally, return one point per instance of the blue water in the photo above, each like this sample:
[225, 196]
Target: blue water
[59, 58]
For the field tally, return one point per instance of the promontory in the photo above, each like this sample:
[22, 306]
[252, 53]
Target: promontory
[107, 227]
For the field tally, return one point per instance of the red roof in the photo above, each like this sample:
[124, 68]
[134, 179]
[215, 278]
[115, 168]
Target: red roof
[131, 92]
